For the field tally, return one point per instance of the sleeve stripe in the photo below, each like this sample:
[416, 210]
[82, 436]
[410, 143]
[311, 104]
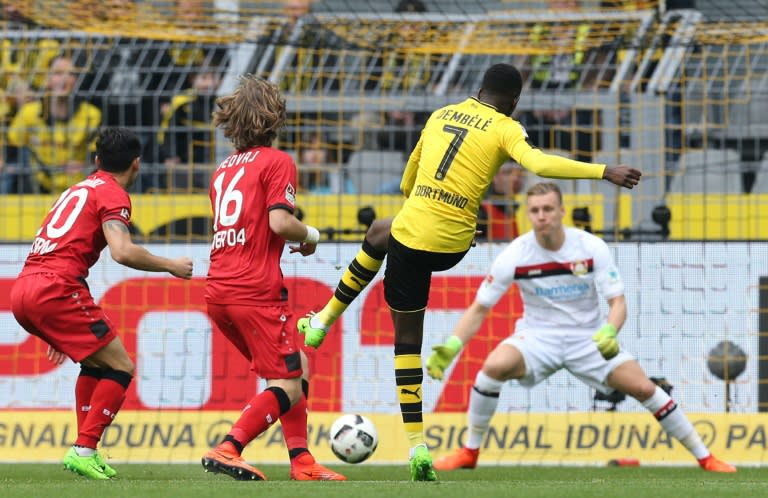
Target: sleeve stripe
[287, 207]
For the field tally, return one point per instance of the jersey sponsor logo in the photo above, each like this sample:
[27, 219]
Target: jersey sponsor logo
[290, 194]
[564, 292]
[444, 196]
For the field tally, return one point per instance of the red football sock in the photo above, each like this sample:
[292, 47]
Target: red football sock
[262, 411]
[86, 383]
[106, 400]
[294, 424]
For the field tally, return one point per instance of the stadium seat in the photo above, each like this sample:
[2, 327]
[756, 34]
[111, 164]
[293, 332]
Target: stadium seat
[708, 171]
[761, 183]
[370, 169]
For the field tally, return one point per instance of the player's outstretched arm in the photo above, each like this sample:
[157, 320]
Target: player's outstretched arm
[554, 166]
[287, 226]
[125, 252]
[442, 355]
[622, 175]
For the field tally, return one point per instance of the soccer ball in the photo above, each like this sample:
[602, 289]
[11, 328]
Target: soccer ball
[353, 438]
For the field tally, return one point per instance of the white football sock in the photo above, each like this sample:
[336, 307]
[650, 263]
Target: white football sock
[483, 400]
[83, 451]
[674, 421]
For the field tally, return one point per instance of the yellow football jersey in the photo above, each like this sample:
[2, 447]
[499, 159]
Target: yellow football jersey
[461, 148]
[55, 143]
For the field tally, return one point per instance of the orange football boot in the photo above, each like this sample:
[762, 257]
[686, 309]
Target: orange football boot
[305, 468]
[714, 464]
[221, 460]
[462, 458]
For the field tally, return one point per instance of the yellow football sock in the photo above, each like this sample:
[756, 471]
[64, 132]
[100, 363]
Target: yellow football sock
[356, 277]
[408, 377]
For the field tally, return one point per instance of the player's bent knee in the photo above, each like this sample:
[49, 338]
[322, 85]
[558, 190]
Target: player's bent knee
[123, 365]
[378, 233]
[120, 364]
[121, 377]
[505, 363]
[287, 391]
[642, 392]
[503, 371]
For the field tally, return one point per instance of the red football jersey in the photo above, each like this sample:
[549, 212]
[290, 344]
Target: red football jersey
[71, 239]
[245, 252]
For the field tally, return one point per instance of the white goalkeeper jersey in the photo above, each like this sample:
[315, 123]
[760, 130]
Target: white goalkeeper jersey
[559, 289]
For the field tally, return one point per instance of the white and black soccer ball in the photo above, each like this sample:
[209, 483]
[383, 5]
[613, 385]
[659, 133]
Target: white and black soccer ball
[353, 438]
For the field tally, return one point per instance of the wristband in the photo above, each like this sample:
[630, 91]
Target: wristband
[313, 235]
[454, 344]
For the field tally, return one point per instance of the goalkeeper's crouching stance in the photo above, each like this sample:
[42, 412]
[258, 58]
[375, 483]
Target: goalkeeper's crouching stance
[560, 272]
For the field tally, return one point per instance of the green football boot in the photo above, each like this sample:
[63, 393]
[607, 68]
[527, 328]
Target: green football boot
[108, 471]
[421, 464]
[88, 467]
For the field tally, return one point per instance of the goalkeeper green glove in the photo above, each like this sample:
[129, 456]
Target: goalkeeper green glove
[313, 337]
[605, 339]
[442, 356]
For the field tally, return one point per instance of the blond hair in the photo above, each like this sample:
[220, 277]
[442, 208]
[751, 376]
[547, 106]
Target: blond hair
[252, 115]
[543, 188]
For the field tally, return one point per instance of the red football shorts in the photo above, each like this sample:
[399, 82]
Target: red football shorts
[262, 335]
[62, 313]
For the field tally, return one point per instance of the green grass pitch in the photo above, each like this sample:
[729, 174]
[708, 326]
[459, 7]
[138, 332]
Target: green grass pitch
[373, 481]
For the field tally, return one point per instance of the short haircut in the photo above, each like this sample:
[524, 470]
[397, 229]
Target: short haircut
[503, 80]
[252, 115]
[543, 188]
[116, 149]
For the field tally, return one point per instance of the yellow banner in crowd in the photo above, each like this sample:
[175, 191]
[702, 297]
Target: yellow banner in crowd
[535, 438]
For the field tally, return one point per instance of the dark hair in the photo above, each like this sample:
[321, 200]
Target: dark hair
[116, 149]
[503, 80]
[406, 6]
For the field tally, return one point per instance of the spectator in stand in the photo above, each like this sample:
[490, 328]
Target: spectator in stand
[556, 128]
[16, 95]
[131, 80]
[187, 136]
[320, 164]
[56, 134]
[16, 18]
[401, 70]
[496, 216]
